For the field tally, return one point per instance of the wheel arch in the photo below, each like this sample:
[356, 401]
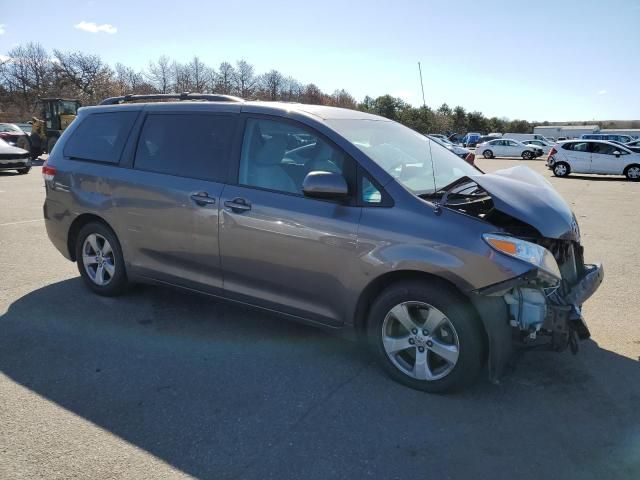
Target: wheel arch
[75, 227]
[378, 284]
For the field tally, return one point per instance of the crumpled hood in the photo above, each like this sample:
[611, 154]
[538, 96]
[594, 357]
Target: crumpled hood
[529, 197]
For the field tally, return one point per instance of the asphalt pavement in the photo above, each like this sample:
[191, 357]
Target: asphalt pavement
[163, 384]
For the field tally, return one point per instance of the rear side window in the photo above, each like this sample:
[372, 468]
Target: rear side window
[100, 137]
[576, 146]
[186, 145]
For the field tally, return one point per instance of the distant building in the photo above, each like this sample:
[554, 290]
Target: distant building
[569, 131]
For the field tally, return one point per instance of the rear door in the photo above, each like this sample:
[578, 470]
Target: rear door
[497, 147]
[280, 249]
[579, 156]
[169, 202]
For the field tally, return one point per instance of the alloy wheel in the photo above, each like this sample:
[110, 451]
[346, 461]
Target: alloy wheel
[420, 341]
[98, 259]
[633, 173]
[560, 170]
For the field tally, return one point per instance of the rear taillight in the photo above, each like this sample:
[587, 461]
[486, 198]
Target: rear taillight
[48, 172]
[470, 158]
[553, 151]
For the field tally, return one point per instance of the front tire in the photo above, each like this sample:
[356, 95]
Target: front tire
[426, 336]
[488, 154]
[100, 261]
[527, 155]
[561, 169]
[632, 172]
[24, 171]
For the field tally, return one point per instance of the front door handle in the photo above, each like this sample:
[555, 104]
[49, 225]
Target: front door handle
[202, 199]
[238, 205]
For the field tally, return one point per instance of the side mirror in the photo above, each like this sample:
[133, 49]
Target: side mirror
[325, 185]
[617, 153]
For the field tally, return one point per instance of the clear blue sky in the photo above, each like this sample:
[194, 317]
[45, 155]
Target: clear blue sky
[535, 60]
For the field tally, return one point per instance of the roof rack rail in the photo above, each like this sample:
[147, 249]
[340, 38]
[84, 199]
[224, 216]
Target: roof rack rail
[209, 97]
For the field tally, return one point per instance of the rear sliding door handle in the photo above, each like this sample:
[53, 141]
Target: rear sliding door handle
[238, 205]
[203, 199]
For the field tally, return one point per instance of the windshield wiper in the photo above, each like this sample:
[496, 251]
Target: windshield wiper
[449, 189]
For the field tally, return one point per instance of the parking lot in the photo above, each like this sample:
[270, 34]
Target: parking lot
[162, 384]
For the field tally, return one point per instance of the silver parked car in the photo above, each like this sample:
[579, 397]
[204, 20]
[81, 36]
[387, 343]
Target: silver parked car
[328, 216]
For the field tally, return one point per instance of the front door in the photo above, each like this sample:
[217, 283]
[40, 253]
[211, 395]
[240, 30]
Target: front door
[169, 202]
[603, 159]
[280, 249]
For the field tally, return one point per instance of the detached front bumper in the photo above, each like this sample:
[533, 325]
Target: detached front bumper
[564, 320]
[519, 312]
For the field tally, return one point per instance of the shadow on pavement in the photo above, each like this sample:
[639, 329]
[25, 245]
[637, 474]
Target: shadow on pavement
[596, 178]
[219, 391]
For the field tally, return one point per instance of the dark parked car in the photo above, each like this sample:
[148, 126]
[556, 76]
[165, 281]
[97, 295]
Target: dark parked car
[332, 217]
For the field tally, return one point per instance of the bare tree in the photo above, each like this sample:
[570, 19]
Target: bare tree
[271, 84]
[312, 95]
[224, 79]
[27, 73]
[199, 75]
[83, 75]
[181, 78]
[292, 90]
[244, 79]
[160, 74]
[342, 98]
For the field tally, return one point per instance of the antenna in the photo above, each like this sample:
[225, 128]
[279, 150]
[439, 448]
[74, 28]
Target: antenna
[424, 103]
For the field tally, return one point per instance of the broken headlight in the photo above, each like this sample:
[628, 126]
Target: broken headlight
[532, 253]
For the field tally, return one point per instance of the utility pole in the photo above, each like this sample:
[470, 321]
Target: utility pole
[424, 103]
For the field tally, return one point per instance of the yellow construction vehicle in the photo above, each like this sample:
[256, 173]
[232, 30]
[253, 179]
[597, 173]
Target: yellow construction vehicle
[56, 115]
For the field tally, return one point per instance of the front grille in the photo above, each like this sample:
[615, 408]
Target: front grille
[12, 165]
[14, 156]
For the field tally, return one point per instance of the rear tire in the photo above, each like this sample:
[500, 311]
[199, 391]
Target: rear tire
[561, 169]
[444, 321]
[487, 154]
[100, 261]
[632, 172]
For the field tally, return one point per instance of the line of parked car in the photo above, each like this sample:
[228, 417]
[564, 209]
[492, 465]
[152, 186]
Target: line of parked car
[605, 154]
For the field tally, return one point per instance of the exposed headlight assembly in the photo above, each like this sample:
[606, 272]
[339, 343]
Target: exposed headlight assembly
[531, 253]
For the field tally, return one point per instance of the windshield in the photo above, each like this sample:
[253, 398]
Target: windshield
[417, 162]
[8, 127]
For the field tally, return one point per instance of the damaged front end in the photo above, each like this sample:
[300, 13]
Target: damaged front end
[543, 307]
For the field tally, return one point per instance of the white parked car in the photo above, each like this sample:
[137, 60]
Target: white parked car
[461, 152]
[541, 144]
[14, 158]
[505, 147]
[594, 156]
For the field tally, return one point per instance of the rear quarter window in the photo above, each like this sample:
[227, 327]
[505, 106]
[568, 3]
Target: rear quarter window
[100, 137]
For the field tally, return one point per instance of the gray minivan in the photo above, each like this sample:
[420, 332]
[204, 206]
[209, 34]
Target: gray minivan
[328, 216]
